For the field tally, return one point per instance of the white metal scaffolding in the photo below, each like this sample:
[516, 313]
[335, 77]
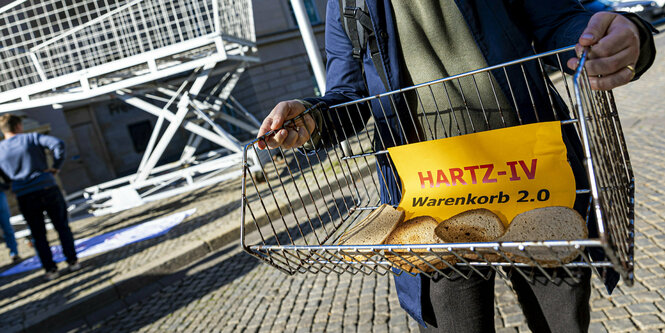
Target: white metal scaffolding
[55, 52]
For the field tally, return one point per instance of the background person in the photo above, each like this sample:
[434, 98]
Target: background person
[23, 160]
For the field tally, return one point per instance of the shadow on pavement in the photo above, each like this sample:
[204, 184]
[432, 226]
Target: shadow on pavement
[19, 314]
[63, 294]
[190, 287]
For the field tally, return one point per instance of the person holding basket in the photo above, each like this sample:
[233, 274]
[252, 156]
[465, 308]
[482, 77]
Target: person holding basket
[375, 46]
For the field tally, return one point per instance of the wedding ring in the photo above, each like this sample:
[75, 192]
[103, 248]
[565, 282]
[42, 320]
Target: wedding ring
[631, 69]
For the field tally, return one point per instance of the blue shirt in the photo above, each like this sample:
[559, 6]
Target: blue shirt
[23, 161]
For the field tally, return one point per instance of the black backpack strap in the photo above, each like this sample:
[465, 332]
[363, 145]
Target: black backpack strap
[349, 9]
[358, 26]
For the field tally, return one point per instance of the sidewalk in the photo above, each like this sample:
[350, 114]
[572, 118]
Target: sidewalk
[122, 276]
[28, 302]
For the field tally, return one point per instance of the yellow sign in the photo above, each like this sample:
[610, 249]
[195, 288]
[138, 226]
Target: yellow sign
[507, 171]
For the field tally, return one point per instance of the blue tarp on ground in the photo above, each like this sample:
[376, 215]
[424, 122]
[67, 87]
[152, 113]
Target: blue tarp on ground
[109, 241]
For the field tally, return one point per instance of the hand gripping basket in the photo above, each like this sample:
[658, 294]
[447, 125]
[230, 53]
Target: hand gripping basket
[298, 205]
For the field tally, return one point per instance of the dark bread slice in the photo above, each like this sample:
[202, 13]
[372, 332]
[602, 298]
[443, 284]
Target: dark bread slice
[476, 225]
[547, 223]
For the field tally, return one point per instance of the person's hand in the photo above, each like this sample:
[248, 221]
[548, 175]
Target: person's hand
[615, 48]
[294, 134]
[52, 170]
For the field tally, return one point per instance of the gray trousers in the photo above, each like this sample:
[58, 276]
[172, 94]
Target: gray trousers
[461, 305]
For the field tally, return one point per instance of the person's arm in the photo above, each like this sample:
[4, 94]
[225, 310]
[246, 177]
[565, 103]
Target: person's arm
[55, 145]
[617, 40]
[344, 82]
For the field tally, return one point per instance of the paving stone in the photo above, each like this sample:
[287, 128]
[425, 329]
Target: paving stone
[620, 300]
[619, 325]
[602, 303]
[647, 296]
[661, 305]
[597, 328]
[513, 320]
[648, 321]
[597, 316]
[641, 309]
[617, 313]
[656, 283]
[510, 309]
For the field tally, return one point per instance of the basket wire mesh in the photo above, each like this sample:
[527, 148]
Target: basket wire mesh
[301, 202]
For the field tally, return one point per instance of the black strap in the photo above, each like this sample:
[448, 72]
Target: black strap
[349, 11]
[358, 27]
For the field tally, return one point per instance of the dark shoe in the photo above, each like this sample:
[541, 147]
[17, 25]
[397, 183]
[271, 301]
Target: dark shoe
[16, 259]
[51, 275]
[74, 267]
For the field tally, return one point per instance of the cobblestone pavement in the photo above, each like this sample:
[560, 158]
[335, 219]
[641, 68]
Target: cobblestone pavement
[230, 291]
[25, 297]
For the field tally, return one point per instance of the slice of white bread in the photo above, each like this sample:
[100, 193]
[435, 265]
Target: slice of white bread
[476, 225]
[374, 228]
[547, 223]
[418, 230]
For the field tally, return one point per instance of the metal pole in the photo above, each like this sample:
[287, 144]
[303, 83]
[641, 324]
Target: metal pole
[310, 43]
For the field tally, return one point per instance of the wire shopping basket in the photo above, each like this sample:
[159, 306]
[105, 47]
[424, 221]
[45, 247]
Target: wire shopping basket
[300, 203]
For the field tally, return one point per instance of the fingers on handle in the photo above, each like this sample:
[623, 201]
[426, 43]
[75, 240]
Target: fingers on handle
[303, 136]
[611, 64]
[291, 139]
[596, 28]
[611, 81]
[265, 128]
[279, 114]
[572, 63]
[310, 124]
[282, 112]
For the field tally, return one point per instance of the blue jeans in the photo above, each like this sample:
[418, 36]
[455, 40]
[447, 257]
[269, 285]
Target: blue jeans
[7, 229]
[49, 200]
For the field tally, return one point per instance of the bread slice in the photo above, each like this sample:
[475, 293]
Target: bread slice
[547, 223]
[476, 225]
[374, 228]
[418, 230]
